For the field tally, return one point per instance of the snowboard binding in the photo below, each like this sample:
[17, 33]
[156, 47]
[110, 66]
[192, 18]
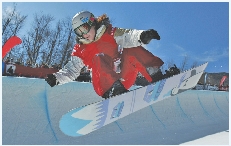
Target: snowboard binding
[142, 81]
[171, 71]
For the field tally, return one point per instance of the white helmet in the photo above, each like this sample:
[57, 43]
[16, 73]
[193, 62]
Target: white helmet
[81, 18]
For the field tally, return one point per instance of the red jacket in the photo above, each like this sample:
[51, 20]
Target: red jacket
[103, 75]
[106, 45]
[101, 54]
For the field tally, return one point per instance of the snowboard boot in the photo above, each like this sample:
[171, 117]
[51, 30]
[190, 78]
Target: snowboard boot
[141, 80]
[171, 71]
[116, 89]
[155, 74]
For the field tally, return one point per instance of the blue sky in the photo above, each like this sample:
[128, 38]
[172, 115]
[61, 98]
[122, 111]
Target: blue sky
[197, 30]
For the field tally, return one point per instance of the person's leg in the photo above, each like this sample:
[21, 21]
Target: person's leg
[136, 60]
[105, 80]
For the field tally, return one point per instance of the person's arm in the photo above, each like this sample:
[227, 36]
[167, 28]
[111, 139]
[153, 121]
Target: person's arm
[67, 74]
[128, 38]
[70, 71]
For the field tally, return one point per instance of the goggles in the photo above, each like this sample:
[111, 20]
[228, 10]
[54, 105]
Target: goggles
[85, 28]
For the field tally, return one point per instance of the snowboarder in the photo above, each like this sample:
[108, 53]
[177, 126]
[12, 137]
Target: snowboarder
[115, 55]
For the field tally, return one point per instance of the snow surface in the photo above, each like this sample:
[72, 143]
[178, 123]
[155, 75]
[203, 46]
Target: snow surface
[31, 111]
[221, 138]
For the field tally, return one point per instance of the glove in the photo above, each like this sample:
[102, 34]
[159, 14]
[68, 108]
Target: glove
[146, 36]
[51, 80]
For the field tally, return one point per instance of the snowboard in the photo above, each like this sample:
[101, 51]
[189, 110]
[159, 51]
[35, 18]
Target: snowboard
[83, 120]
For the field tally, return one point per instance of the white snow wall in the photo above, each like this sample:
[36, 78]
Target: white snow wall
[31, 110]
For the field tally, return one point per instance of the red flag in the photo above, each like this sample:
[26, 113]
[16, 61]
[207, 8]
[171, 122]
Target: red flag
[222, 80]
[10, 43]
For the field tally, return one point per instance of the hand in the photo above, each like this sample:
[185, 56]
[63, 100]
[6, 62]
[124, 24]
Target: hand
[146, 36]
[51, 80]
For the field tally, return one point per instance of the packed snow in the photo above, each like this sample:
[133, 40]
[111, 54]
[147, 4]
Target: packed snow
[31, 111]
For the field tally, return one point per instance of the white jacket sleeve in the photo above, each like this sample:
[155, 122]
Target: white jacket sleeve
[70, 71]
[128, 38]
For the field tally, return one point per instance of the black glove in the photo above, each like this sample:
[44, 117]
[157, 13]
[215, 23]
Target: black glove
[146, 36]
[51, 80]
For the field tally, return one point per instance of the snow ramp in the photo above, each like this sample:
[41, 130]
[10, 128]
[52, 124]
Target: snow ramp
[31, 111]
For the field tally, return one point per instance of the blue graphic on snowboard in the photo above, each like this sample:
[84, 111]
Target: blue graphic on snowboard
[117, 110]
[153, 91]
[102, 110]
[183, 85]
